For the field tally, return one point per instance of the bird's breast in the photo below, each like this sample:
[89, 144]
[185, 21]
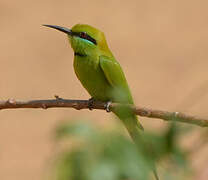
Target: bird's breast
[90, 74]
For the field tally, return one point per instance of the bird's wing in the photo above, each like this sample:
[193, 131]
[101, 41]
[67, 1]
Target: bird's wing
[116, 78]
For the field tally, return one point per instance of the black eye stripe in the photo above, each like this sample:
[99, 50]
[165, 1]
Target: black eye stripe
[84, 35]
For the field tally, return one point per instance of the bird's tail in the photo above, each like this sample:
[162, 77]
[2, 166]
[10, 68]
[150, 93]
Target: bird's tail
[130, 121]
[133, 127]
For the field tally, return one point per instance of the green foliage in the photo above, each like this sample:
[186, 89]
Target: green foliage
[109, 155]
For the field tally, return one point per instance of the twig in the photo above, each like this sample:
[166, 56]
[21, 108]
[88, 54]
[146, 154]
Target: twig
[84, 104]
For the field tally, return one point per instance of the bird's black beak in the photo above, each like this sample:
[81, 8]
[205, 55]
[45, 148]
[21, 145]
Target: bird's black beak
[62, 29]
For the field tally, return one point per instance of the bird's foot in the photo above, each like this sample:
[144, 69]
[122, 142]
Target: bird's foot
[90, 103]
[107, 106]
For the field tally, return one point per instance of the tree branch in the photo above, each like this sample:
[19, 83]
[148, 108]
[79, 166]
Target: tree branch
[84, 104]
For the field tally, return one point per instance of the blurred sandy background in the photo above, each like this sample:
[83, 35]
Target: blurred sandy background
[162, 46]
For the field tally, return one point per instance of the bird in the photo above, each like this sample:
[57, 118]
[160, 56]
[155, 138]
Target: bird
[101, 74]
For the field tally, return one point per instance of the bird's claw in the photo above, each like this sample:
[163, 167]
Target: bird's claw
[107, 106]
[90, 103]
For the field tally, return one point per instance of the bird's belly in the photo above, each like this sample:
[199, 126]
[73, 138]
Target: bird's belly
[92, 78]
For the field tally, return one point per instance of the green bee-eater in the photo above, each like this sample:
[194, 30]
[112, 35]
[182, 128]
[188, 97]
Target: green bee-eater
[101, 74]
[99, 71]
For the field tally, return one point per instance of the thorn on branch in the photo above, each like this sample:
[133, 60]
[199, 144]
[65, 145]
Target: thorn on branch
[11, 101]
[44, 106]
[57, 97]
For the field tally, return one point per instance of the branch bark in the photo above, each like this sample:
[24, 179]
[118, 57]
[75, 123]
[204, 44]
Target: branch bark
[84, 104]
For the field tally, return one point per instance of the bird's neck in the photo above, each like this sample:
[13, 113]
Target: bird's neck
[79, 54]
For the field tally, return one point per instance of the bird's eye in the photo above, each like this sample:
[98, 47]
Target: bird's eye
[83, 35]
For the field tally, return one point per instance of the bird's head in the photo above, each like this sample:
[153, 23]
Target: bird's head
[84, 39]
